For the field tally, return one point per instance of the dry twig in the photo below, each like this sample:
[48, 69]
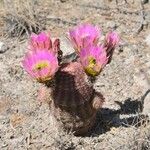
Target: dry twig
[21, 17]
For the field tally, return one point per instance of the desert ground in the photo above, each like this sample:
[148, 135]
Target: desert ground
[123, 121]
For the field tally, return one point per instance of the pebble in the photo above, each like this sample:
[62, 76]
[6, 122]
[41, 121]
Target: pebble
[147, 40]
[144, 1]
[67, 49]
[3, 47]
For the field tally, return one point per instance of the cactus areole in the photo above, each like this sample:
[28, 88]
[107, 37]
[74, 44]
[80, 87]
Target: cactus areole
[74, 100]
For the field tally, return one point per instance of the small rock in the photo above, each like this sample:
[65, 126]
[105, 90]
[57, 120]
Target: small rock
[147, 40]
[144, 1]
[3, 48]
[67, 49]
[4, 145]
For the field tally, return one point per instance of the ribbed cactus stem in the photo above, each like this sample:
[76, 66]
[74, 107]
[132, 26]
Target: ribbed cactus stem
[75, 102]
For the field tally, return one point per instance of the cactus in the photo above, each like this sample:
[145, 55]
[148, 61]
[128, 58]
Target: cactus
[74, 100]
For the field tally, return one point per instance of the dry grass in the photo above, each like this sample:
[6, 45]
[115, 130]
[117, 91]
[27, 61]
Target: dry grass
[20, 17]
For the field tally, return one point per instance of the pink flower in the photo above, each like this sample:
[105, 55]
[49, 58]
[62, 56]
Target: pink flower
[111, 41]
[93, 59]
[83, 36]
[43, 41]
[41, 65]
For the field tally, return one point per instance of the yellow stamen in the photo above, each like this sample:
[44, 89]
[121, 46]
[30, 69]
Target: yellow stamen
[40, 65]
[92, 68]
[92, 61]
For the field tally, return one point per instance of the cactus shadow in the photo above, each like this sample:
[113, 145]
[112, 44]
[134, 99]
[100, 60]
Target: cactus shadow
[129, 114]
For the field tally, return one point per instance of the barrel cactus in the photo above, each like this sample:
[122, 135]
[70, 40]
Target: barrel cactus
[74, 100]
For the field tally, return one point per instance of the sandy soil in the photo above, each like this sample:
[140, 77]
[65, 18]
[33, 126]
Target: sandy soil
[25, 120]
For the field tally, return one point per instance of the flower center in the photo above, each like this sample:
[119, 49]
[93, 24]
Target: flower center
[40, 65]
[93, 68]
[92, 62]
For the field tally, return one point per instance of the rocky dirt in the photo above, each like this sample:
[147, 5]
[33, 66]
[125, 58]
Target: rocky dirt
[122, 123]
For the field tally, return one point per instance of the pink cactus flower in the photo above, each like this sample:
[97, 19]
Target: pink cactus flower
[93, 59]
[84, 35]
[41, 65]
[43, 41]
[112, 39]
